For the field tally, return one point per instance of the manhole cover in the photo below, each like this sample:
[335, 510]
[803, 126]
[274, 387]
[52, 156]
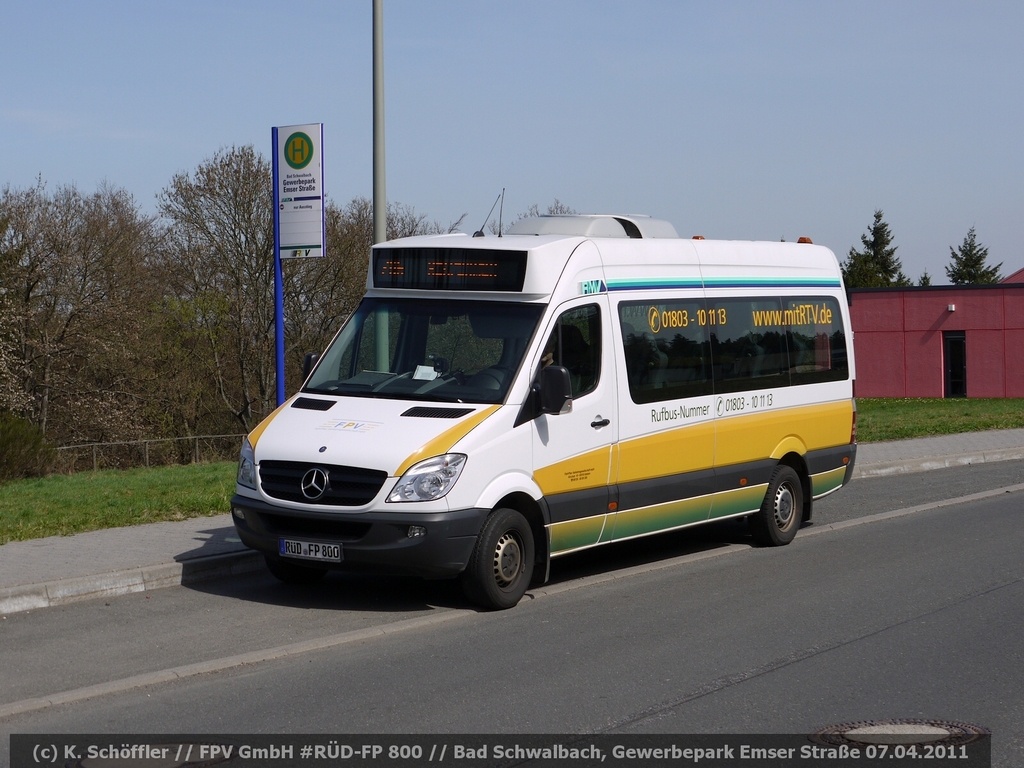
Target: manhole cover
[900, 732]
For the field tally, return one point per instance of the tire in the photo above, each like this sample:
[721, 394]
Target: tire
[293, 573]
[781, 513]
[501, 566]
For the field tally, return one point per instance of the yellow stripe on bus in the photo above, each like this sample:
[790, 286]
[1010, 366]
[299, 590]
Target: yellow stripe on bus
[254, 436]
[671, 452]
[735, 440]
[577, 473]
[444, 442]
[740, 439]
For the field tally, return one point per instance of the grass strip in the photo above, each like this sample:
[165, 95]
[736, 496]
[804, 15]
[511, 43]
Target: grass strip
[60, 505]
[880, 419]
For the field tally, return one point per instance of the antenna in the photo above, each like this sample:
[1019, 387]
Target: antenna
[501, 210]
[480, 232]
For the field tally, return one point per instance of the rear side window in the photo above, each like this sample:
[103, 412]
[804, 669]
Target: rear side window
[817, 341]
[691, 347]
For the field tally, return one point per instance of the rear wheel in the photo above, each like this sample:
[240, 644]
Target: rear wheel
[778, 520]
[501, 565]
[293, 573]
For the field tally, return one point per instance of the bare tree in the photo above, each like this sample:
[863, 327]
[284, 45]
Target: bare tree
[76, 291]
[116, 326]
[13, 397]
[556, 208]
[219, 266]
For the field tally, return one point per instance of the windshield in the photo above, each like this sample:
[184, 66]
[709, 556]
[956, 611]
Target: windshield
[427, 349]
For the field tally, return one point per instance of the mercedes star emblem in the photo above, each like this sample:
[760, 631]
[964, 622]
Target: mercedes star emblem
[314, 483]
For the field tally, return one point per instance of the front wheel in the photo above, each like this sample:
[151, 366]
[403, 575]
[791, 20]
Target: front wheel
[501, 565]
[778, 520]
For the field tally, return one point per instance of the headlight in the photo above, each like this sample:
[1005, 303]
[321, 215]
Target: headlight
[247, 466]
[430, 479]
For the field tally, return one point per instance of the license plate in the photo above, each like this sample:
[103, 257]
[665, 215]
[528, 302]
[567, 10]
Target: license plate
[310, 550]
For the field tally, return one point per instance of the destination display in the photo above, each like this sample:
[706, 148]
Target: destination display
[449, 269]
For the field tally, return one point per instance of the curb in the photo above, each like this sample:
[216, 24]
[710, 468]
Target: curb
[30, 597]
[928, 463]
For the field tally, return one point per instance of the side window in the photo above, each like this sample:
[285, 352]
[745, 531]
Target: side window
[777, 342]
[686, 348]
[575, 342]
[666, 348]
[817, 342]
[749, 347]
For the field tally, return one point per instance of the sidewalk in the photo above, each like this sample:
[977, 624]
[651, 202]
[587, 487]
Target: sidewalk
[48, 572]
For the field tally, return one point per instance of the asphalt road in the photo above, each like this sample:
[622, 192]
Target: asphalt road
[893, 604]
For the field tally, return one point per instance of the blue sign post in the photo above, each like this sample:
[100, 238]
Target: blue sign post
[300, 225]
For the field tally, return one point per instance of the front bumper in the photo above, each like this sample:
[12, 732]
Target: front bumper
[375, 540]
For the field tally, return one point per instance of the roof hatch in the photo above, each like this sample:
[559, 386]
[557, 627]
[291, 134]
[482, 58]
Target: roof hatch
[594, 225]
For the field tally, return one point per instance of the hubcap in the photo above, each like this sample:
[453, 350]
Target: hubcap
[783, 506]
[508, 558]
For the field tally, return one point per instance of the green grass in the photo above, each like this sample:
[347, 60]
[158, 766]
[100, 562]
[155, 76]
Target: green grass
[902, 418]
[66, 504]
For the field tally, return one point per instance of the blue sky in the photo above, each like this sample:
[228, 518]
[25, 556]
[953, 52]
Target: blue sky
[734, 120]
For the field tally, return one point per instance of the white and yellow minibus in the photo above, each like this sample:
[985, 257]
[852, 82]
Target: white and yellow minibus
[497, 402]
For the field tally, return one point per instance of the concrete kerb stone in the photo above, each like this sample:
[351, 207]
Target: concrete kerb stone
[29, 597]
[929, 463]
[53, 593]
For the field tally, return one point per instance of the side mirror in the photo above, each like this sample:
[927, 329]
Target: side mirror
[555, 390]
[308, 363]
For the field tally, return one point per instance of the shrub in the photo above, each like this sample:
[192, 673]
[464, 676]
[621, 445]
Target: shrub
[24, 451]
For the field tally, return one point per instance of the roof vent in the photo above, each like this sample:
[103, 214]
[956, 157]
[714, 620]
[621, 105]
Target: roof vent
[595, 225]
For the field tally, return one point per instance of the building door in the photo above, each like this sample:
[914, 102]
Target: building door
[954, 351]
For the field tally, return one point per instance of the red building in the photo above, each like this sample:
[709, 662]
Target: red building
[942, 341]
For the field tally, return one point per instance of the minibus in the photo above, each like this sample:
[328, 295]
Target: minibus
[497, 402]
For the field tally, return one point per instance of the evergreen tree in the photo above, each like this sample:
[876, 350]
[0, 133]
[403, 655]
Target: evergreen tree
[876, 266]
[926, 279]
[967, 264]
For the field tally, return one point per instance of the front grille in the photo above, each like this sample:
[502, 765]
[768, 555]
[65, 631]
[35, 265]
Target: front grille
[346, 486]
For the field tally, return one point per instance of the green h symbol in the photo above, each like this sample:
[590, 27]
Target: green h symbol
[298, 150]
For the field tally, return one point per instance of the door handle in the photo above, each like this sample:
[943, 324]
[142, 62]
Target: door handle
[599, 422]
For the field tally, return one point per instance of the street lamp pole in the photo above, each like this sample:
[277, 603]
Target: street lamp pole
[380, 202]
